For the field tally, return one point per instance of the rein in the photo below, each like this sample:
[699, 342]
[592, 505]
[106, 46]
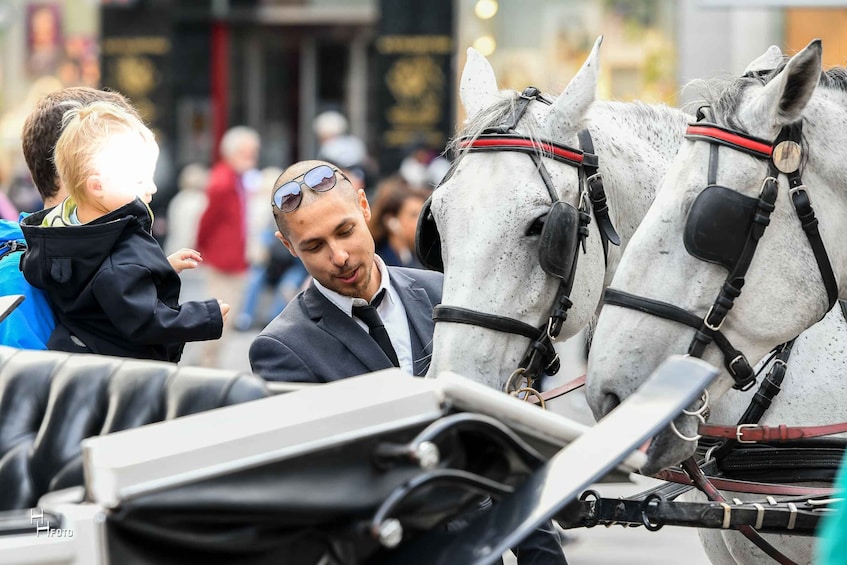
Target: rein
[800, 459]
[541, 356]
[562, 390]
[750, 487]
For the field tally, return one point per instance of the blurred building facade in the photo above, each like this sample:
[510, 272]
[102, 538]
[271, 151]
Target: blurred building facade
[196, 67]
[43, 46]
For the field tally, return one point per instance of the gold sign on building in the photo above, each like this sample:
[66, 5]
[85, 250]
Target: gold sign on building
[416, 81]
[417, 84]
[415, 49]
[134, 65]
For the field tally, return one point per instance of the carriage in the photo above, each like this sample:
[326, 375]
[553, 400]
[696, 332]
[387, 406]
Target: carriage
[389, 470]
[197, 465]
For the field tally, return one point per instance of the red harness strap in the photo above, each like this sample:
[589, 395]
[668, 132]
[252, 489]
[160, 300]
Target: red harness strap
[753, 433]
[711, 132]
[559, 390]
[751, 487]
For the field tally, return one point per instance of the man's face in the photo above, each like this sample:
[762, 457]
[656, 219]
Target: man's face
[330, 235]
[125, 169]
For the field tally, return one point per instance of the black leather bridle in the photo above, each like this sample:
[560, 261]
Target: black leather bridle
[561, 220]
[708, 327]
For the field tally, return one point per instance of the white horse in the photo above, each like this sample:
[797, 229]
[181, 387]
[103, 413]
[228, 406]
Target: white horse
[492, 211]
[692, 237]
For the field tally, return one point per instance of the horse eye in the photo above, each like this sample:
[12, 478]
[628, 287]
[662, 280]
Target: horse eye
[536, 226]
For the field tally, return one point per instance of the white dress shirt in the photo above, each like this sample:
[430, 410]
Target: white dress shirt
[391, 310]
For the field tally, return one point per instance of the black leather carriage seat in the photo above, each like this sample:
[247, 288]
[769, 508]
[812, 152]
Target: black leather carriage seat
[50, 401]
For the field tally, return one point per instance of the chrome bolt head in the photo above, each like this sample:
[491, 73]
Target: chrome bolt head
[428, 455]
[390, 533]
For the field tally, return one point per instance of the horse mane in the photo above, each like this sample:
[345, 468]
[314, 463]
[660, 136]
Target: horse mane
[723, 94]
[496, 114]
[835, 79]
[650, 117]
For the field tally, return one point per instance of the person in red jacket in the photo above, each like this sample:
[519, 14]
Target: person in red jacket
[222, 233]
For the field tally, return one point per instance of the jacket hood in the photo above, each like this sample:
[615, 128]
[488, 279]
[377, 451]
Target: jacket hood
[70, 255]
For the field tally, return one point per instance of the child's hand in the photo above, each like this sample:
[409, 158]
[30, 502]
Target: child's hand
[224, 309]
[184, 259]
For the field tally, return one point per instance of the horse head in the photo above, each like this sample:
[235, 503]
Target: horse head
[511, 220]
[732, 211]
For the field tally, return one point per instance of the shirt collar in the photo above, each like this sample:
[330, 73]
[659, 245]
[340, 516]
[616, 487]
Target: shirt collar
[346, 303]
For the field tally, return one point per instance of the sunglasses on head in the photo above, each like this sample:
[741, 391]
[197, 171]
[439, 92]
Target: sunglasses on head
[288, 196]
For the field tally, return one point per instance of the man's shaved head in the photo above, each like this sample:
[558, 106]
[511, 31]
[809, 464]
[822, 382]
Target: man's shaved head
[296, 171]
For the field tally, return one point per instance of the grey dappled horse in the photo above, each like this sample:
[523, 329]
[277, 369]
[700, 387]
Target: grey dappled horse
[732, 243]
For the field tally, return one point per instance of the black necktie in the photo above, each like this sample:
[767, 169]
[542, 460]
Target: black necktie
[370, 317]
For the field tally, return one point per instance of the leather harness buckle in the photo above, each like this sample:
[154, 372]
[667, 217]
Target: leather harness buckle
[800, 188]
[739, 433]
[706, 320]
[732, 363]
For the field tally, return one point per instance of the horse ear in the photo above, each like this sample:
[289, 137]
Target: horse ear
[768, 61]
[570, 107]
[783, 100]
[479, 85]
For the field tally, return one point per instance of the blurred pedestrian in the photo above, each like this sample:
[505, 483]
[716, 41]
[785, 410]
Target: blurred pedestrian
[113, 290]
[30, 325]
[7, 208]
[338, 146]
[222, 232]
[186, 207]
[272, 267]
[423, 165]
[394, 223]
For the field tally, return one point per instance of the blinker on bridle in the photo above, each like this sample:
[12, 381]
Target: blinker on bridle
[710, 237]
[565, 230]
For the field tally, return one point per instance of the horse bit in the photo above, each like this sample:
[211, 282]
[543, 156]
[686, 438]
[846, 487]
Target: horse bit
[564, 226]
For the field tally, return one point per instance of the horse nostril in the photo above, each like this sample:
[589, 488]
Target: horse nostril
[610, 402]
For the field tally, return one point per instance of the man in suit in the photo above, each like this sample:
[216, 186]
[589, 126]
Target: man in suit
[321, 335]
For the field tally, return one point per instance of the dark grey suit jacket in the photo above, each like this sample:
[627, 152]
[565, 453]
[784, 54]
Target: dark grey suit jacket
[312, 340]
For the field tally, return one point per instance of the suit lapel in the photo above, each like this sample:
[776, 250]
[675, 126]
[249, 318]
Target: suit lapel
[329, 318]
[419, 313]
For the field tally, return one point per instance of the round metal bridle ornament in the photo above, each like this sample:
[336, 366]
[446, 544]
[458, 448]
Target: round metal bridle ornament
[786, 156]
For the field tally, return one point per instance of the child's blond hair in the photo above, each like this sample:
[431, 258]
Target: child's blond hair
[86, 131]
